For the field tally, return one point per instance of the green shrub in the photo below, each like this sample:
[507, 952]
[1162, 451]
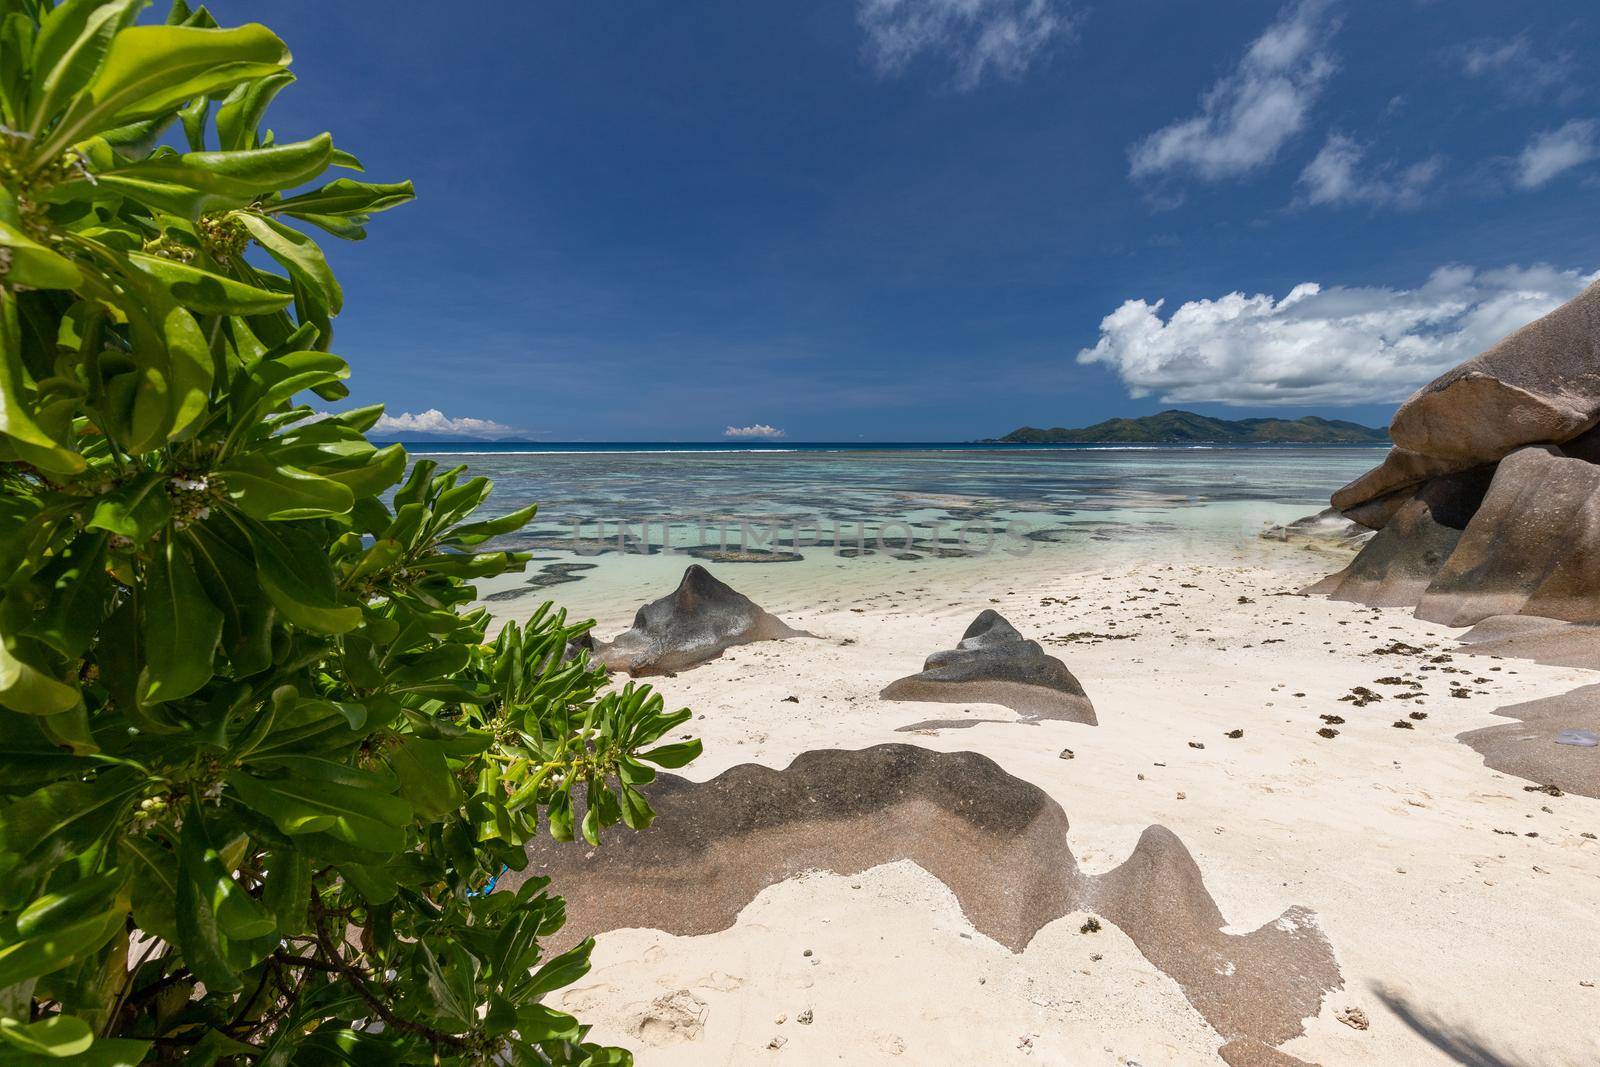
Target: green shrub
[259, 764]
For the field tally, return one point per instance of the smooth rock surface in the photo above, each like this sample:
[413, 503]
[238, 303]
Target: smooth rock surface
[1532, 547]
[1401, 560]
[994, 664]
[1401, 469]
[697, 622]
[1540, 384]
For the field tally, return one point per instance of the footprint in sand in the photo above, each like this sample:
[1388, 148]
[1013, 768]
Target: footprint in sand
[671, 1018]
[580, 999]
[720, 982]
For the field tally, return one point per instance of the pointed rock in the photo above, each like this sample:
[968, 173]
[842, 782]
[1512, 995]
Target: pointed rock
[994, 664]
[697, 622]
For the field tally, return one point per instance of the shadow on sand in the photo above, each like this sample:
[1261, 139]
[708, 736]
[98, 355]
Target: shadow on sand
[1460, 1045]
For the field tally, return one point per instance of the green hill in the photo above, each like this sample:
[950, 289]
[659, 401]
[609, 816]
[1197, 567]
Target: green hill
[1186, 427]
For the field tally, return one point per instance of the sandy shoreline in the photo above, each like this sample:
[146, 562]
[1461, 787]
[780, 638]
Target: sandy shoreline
[1418, 860]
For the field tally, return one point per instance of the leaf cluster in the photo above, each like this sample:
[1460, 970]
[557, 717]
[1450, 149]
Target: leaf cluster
[261, 761]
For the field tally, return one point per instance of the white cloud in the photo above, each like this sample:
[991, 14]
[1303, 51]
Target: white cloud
[1334, 345]
[758, 430]
[1339, 175]
[1251, 113]
[1554, 152]
[1518, 68]
[975, 36]
[434, 421]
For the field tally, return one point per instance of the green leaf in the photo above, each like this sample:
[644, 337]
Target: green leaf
[105, 1052]
[153, 886]
[237, 175]
[425, 777]
[56, 1036]
[294, 573]
[273, 381]
[76, 602]
[135, 510]
[32, 957]
[208, 292]
[72, 43]
[65, 815]
[352, 814]
[268, 491]
[476, 533]
[288, 889]
[173, 356]
[636, 811]
[200, 938]
[223, 562]
[299, 255]
[537, 1023]
[240, 112]
[346, 196]
[151, 70]
[381, 470]
[34, 265]
[27, 689]
[21, 420]
[375, 884]
[180, 625]
[675, 755]
[565, 969]
[84, 898]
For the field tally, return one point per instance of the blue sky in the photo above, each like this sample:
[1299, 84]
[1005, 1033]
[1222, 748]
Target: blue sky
[941, 219]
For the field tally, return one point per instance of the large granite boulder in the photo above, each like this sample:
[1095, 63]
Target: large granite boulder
[1526, 411]
[1540, 384]
[1532, 548]
[1400, 562]
[1372, 499]
[697, 622]
[994, 664]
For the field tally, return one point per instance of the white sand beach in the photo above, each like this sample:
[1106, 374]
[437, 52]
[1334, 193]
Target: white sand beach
[1450, 894]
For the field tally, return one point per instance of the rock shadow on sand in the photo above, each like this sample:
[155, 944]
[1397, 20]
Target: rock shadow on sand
[1529, 748]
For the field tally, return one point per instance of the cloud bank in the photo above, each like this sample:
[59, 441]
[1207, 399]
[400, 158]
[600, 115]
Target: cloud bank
[1323, 345]
[434, 421]
[758, 430]
[1340, 174]
[1554, 152]
[1252, 112]
[976, 37]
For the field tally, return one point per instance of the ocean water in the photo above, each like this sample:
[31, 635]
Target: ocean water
[798, 522]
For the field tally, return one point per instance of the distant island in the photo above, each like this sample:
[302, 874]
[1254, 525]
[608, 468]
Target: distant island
[1186, 427]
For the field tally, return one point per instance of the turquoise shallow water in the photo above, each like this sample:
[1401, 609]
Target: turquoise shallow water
[611, 520]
